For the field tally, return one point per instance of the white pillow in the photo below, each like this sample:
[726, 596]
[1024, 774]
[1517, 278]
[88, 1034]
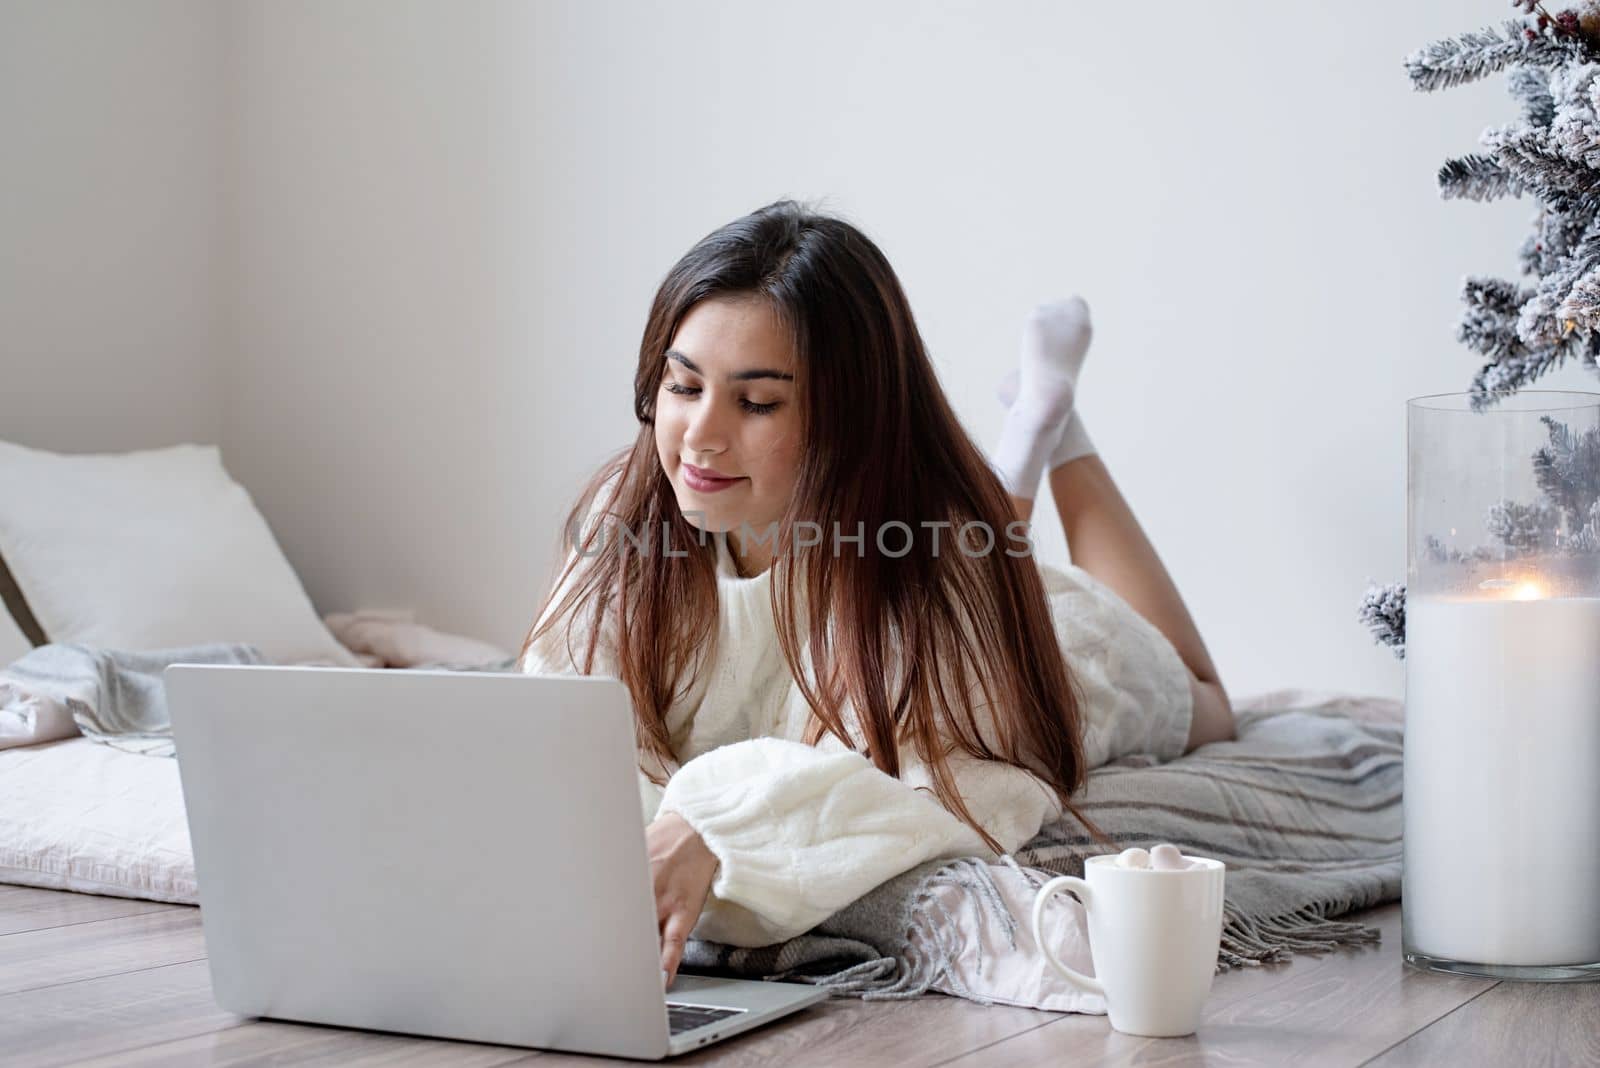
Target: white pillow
[151, 550]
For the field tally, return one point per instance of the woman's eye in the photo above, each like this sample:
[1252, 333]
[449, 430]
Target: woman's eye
[753, 407]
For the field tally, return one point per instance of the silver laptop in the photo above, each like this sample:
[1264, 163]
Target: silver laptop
[438, 853]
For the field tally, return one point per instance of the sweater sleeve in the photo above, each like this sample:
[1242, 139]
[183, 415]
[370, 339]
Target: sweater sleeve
[801, 831]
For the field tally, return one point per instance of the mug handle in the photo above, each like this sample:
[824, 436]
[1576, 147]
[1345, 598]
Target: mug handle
[1046, 892]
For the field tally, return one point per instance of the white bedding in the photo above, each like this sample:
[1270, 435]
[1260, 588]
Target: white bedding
[77, 815]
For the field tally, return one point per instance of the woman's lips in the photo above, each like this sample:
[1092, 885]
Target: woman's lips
[702, 480]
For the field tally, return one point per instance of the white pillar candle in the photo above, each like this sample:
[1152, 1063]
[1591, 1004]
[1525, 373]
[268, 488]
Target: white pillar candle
[1502, 778]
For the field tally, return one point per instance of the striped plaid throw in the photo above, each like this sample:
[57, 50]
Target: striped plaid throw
[1304, 808]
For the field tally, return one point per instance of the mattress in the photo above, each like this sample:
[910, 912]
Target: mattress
[77, 815]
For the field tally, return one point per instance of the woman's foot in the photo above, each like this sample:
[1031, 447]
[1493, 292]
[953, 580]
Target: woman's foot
[1074, 441]
[1042, 424]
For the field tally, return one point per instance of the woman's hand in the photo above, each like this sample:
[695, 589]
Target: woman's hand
[682, 870]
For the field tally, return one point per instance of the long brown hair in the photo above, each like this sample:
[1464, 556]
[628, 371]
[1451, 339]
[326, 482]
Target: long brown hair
[910, 643]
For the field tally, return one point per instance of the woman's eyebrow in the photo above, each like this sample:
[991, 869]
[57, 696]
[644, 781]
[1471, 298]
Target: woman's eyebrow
[737, 376]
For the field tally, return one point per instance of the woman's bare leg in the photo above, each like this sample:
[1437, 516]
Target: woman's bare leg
[1105, 539]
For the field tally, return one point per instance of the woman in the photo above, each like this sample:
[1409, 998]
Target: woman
[842, 658]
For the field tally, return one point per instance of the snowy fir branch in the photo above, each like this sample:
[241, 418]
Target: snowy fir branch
[1477, 177]
[1551, 153]
[1435, 551]
[1530, 87]
[1502, 376]
[1493, 294]
[1530, 158]
[1583, 301]
[1480, 53]
[1383, 611]
[1567, 471]
[1524, 528]
[1491, 324]
[1554, 235]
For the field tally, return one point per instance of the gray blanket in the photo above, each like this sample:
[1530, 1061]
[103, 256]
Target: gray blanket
[1304, 808]
[117, 697]
[113, 697]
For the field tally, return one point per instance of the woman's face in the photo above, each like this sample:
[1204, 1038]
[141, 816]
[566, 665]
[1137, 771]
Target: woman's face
[727, 429]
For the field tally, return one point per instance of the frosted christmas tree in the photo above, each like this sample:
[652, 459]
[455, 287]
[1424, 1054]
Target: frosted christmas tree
[1527, 328]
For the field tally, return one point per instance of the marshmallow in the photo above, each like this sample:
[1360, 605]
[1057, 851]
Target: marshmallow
[1133, 857]
[1166, 857]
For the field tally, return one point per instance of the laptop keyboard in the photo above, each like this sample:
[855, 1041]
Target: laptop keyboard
[681, 1018]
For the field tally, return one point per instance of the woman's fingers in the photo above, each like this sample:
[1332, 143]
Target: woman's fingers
[682, 870]
[674, 936]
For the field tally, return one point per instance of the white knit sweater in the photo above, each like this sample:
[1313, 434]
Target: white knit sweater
[801, 831]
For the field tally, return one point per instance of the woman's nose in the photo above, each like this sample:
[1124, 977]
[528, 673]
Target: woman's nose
[707, 430]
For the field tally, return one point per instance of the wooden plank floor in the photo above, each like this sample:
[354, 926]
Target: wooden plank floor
[99, 980]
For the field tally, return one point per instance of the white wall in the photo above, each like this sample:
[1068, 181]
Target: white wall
[453, 227]
[446, 222]
[110, 291]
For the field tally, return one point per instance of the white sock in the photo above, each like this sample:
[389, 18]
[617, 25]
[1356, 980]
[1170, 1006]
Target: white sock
[1074, 441]
[1042, 425]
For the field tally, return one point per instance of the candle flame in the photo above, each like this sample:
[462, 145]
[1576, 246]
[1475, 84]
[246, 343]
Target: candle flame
[1523, 590]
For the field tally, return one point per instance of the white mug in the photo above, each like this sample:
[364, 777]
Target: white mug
[1153, 936]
